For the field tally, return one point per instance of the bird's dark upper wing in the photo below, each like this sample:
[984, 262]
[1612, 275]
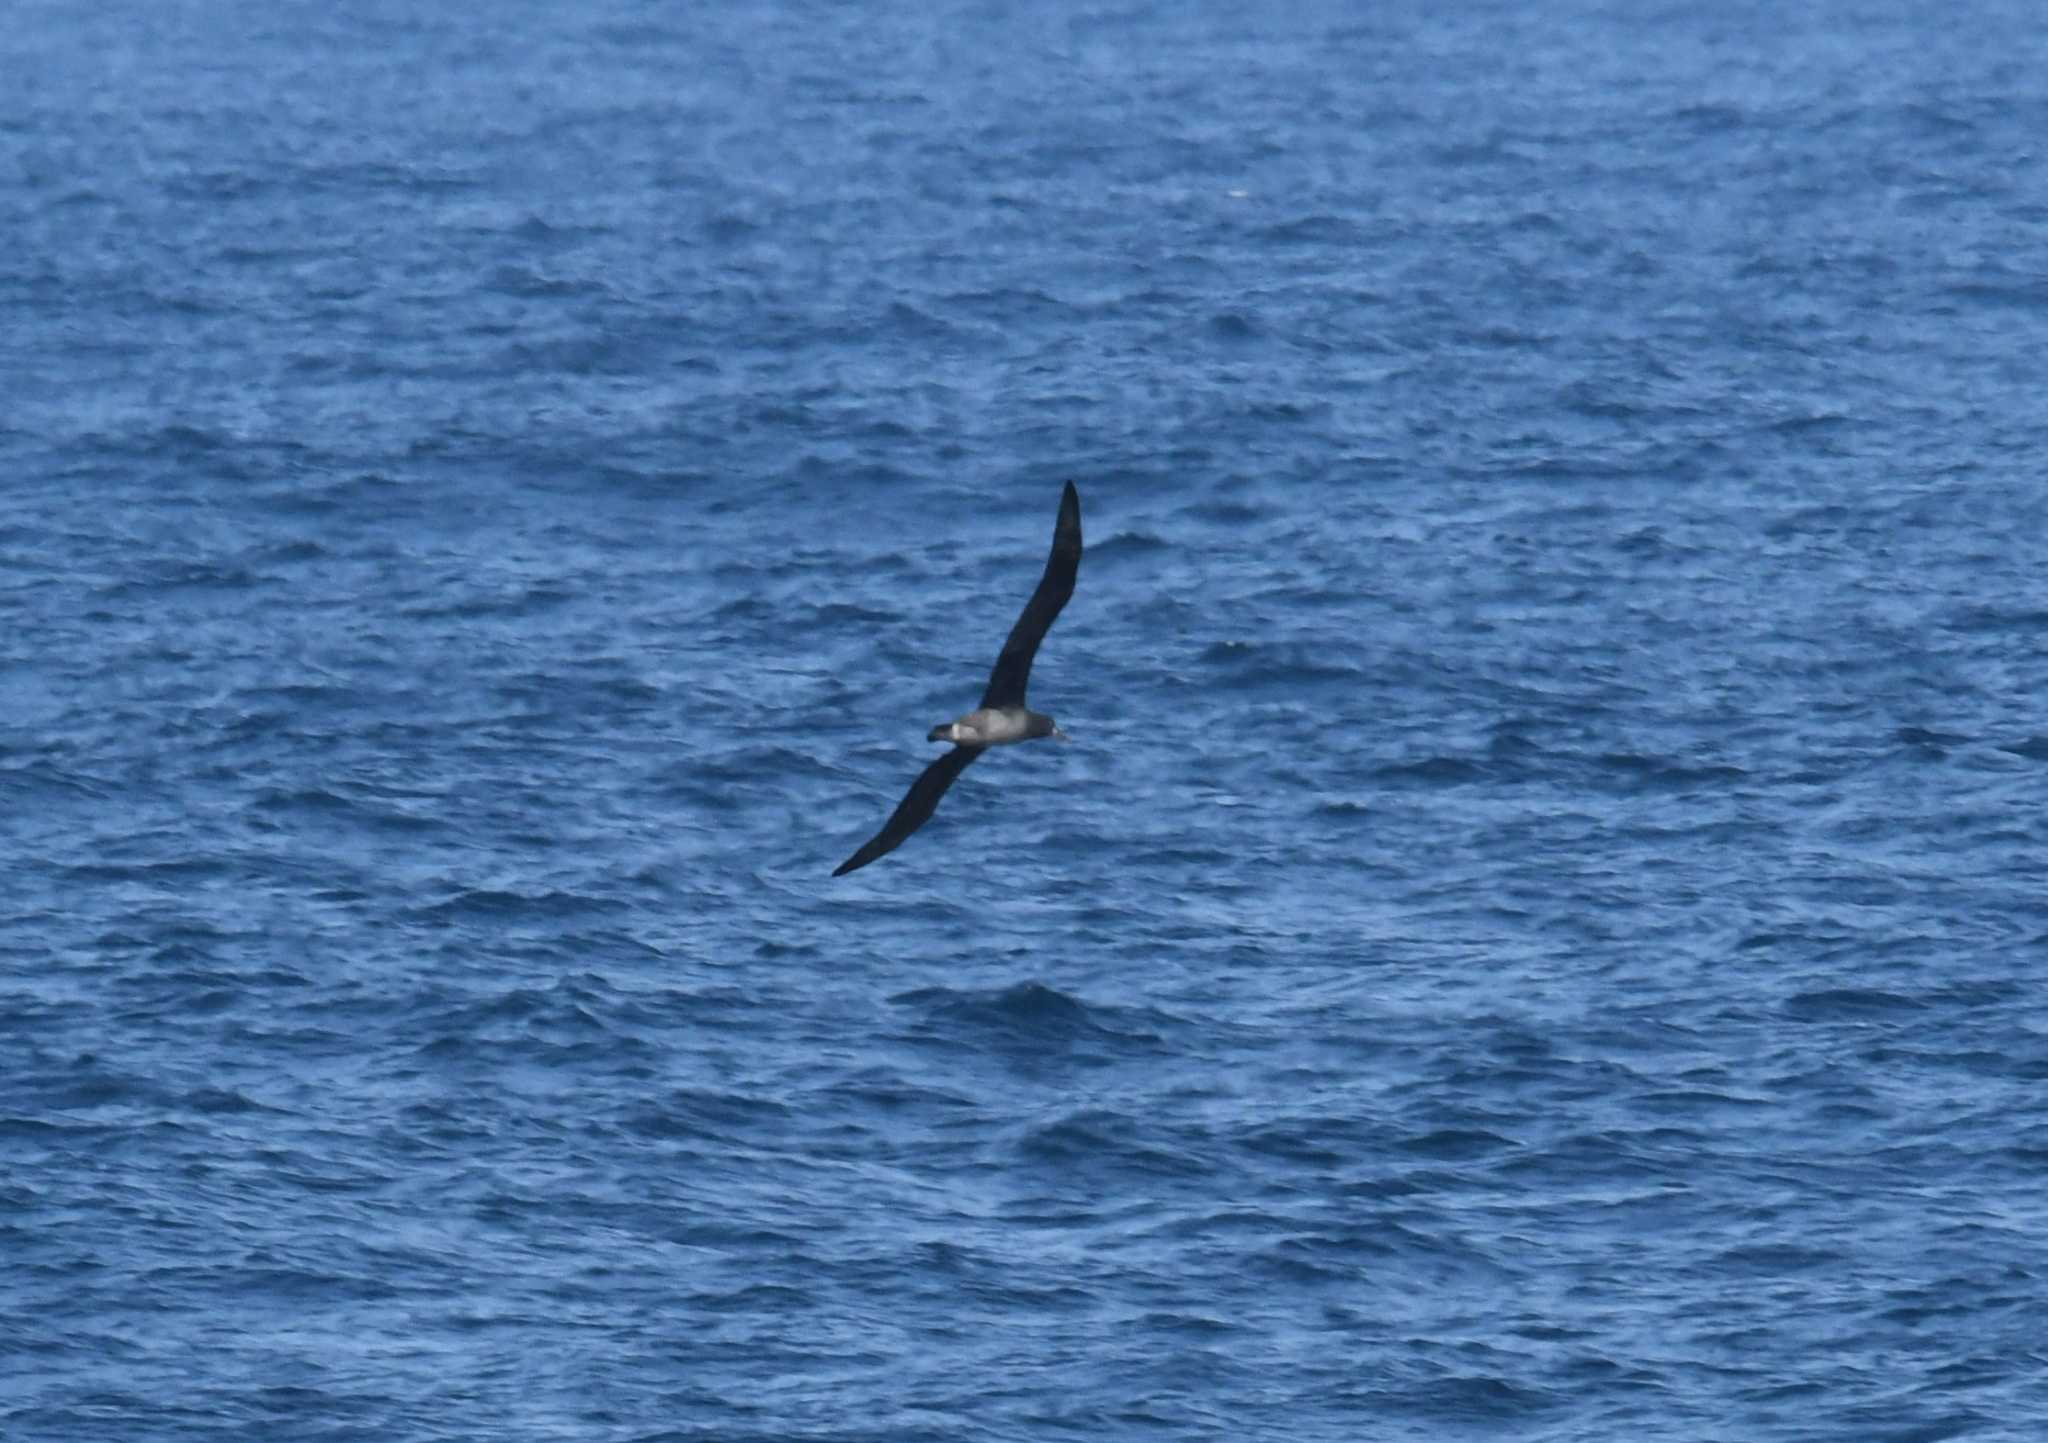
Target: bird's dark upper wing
[1013, 668]
[915, 809]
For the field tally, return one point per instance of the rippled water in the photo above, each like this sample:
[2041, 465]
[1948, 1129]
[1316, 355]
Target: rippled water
[1539, 932]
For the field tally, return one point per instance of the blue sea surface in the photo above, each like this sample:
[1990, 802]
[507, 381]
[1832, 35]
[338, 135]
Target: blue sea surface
[1539, 934]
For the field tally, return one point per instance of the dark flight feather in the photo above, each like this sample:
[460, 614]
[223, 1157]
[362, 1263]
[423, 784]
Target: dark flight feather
[915, 809]
[1012, 671]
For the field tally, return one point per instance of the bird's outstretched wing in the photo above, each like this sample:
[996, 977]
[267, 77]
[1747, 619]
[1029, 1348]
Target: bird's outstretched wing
[1013, 668]
[915, 809]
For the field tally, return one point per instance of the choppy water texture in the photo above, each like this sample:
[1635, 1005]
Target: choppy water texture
[1538, 936]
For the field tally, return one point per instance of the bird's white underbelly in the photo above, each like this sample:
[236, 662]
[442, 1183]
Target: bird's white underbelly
[992, 726]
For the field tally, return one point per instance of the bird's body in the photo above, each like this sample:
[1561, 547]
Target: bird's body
[996, 726]
[1002, 718]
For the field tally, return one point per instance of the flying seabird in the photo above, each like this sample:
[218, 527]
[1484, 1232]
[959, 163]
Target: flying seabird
[1002, 717]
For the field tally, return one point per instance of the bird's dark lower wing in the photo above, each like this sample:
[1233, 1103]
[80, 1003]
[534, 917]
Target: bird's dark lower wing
[1013, 667]
[915, 809]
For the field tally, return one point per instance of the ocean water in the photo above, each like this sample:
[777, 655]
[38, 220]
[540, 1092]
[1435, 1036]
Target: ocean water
[1539, 934]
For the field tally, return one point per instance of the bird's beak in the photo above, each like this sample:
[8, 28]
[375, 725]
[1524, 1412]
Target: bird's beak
[1061, 735]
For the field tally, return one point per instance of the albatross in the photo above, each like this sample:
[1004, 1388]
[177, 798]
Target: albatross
[1002, 717]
